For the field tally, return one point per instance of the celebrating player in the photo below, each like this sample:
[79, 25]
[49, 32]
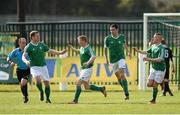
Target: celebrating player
[22, 70]
[157, 70]
[87, 57]
[168, 56]
[116, 44]
[36, 51]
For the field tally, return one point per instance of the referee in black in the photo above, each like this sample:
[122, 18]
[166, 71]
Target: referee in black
[168, 57]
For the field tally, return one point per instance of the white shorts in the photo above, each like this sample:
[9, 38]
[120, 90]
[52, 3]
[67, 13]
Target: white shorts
[157, 76]
[85, 74]
[118, 65]
[42, 72]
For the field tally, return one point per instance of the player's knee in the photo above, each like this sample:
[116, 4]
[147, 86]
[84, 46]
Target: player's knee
[166, 80]
[23, 82]
[46, 83]
[121, 73]
[86, 87]
[38, 80]
[149, 85]
[78, 83]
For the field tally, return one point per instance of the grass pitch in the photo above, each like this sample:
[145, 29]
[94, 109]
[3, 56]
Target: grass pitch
[89, 103]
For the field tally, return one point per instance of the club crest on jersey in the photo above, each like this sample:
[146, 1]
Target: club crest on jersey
[40, 48]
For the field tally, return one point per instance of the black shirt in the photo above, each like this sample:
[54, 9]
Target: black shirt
[168, 56]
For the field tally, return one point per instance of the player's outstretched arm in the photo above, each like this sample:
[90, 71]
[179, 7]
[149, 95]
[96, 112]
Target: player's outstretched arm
[152, 59]
[106, 55]
[127, 50]
[140, 51]
[55, 52]
[74, 49]
[91, 60]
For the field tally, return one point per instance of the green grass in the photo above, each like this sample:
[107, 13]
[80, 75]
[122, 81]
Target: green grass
[90, 102]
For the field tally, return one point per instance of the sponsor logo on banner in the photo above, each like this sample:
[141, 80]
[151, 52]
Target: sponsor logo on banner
[4, 69]
[70, 70]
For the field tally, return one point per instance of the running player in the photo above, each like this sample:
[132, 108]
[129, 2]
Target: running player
[158, 66]
[87, 57]
[36, 51]
[22, 71]
[116, 43]
[168, 56]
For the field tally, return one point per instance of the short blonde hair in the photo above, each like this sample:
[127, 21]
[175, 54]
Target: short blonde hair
[32, 33]
[83, 37]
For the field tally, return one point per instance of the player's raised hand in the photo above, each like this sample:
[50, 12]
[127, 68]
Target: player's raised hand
[27, 63]
[69, 45]
[145, 59]
[13, 64]
[135, 49]
[173, 70]
[63, 51]
[130, 56]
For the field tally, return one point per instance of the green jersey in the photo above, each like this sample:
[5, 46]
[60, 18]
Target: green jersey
[85, 54]
[157, 51]
[36, 53]
[116, 47]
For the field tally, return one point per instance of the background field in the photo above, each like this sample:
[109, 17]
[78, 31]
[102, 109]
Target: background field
[90, 102]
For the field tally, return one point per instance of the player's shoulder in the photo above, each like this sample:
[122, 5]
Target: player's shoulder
[122, 35]
[28, 46]
[15, 50]
[108, 37]
[162, 46]
[42, 43]
[89, 46]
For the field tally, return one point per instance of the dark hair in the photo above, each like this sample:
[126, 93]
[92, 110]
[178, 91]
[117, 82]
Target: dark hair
[32, 33]
[163, 41]
[114, 26]
[158, 33]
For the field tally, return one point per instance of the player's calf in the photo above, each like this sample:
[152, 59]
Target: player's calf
[47, 91]
[24, 90]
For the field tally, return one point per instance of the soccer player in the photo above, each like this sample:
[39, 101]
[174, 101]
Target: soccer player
[116, 43]
[36, 51]
[87, 57]
[158, 66]
[22, 71]
[168, 56]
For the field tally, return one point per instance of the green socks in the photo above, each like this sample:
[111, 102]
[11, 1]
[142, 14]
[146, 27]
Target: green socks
[77, 94]
[120, 83]
[155, 91]
[39, 86]
[95, 88]
[47, 92]
[125, 86]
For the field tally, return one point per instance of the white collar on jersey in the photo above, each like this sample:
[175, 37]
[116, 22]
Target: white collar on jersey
[115, 37]
[34, 44]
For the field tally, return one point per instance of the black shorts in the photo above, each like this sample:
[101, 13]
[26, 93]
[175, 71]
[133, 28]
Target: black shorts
[166, 74]
[22, 74]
